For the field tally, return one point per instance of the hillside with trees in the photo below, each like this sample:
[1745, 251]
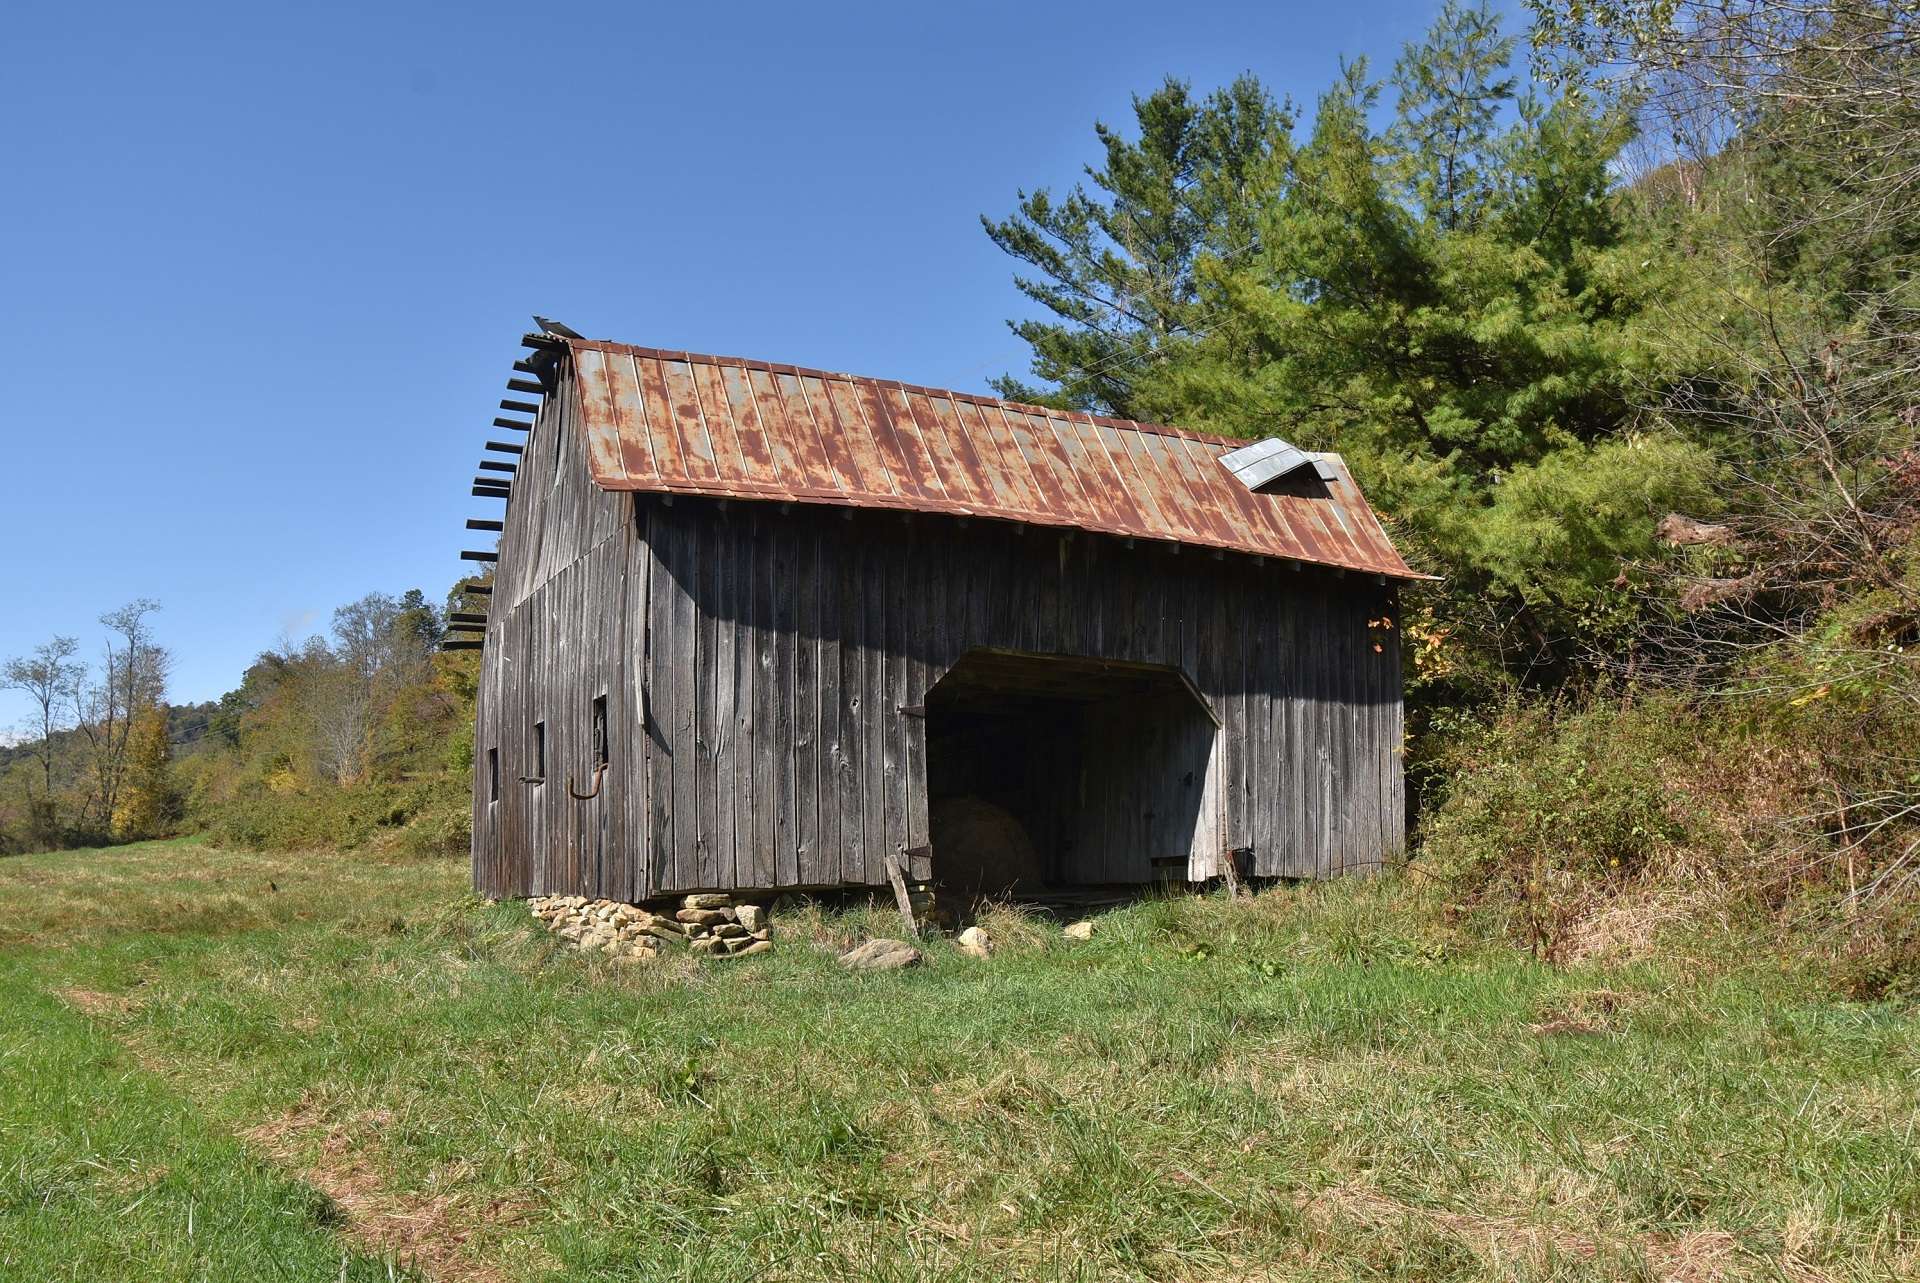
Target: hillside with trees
[364, 735]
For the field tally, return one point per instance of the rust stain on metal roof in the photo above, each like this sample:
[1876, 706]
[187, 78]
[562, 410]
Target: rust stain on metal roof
[681, 423]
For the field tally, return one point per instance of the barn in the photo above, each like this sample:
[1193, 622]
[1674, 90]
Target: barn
[753, 627]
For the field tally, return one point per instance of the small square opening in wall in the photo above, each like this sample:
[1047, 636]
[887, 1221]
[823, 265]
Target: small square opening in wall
[493, 775]
[539, 753]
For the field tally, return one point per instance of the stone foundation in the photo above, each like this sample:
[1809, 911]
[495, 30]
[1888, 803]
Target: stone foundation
[710, 924]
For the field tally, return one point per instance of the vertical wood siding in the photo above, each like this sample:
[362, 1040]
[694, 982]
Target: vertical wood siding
[756, 661]
[560, 634]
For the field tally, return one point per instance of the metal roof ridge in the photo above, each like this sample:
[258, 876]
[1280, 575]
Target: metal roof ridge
[613, 346]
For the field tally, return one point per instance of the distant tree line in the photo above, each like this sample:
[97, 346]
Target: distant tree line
[93, 764]
[319, 734]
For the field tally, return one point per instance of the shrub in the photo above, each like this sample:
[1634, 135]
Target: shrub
[1539, 787]
[427, 815]
[1554, 823]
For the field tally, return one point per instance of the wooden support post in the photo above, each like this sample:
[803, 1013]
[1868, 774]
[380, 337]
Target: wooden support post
[897, 876]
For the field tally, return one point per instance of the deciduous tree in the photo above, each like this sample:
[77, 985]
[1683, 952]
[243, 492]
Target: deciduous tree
[48, 676]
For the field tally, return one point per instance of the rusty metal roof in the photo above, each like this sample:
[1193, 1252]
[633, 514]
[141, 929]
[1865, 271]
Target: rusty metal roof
[685, 424]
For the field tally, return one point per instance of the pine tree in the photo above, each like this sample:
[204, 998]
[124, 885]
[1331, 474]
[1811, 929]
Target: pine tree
[1453, 87]
[1118, 265]
[1456, 304]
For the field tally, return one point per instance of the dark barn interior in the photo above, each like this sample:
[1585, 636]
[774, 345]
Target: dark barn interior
[1049, 771]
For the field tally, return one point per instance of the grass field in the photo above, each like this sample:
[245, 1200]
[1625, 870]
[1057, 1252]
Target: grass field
[226, 1066]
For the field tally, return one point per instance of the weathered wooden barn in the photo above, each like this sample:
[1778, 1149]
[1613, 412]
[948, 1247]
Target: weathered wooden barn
[755, 627]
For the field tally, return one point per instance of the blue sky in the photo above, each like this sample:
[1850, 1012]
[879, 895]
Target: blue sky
[263, 267]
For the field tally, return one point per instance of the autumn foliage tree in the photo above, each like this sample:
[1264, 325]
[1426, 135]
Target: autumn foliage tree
[148, 803]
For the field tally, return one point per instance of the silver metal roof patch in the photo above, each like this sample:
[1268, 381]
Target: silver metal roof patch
[1266, 461]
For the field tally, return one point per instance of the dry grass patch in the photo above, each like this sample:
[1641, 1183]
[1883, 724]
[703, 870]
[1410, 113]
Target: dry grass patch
[91, 1002]
[1590, 1011]
[440, 1233]
[1501, 1240]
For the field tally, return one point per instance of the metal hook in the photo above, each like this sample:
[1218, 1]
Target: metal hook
[598, 771]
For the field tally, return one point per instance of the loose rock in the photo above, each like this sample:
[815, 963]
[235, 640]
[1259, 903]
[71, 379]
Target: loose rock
[751, 916]
[976, 943]
[707, 900]
[881, 955]
[1082, 930]
[705, 917]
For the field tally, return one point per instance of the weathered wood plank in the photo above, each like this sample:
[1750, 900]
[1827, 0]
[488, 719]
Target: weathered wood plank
[786, 835]
[673, 665]
[831, 755]
[893, 782]
[806, 706]
[874, 713]
[768, 748]
[633, 658]
[746, 663]
[851, 622]
[703, 580]
[724, 608]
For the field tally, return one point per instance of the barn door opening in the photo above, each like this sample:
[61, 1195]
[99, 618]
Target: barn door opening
[1050, 771]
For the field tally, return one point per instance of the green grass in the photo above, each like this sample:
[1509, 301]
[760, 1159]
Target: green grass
[365, 1073]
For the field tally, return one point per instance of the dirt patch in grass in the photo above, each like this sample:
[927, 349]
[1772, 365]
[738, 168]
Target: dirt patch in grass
[1496, 1237]
[1698, 1256]
[1592, 1011]
[1702, 1256]
[91, 1002]
[430, 1233]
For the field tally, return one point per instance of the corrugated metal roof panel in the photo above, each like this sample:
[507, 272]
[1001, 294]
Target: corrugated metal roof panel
[675, 422]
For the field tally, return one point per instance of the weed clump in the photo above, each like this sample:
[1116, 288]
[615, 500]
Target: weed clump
[1624, 827]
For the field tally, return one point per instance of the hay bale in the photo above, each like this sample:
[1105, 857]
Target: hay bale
[982, 849]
